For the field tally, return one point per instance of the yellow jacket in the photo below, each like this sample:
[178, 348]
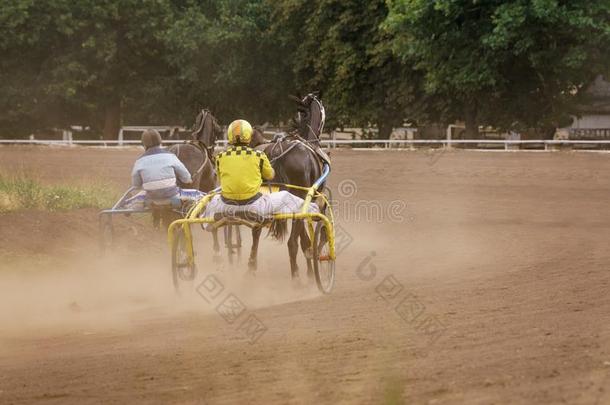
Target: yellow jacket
[241, 171]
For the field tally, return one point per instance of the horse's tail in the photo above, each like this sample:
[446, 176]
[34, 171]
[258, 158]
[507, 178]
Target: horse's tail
[278, 229]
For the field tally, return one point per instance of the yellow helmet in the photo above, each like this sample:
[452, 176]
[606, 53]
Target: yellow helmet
[240, 131]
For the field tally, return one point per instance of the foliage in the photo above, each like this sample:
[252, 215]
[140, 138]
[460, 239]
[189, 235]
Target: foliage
[102, 63]
[504, 61]
[340, 49]
[72, 62]
[225, 59]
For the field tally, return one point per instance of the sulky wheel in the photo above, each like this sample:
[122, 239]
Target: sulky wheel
[183, 272]
[323, 265]
[106, 234]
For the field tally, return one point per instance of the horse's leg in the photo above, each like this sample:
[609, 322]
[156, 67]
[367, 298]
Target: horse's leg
[252, 261]
[165, 220]
[237, 245]
[167, 217]
[156, 217]
[217, 258]
[293, 248]
[307, 249]
[228, 234]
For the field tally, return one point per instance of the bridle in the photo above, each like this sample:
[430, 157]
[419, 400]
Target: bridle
[204, 114]
[310, 130]
[296, 137]
[209, 149]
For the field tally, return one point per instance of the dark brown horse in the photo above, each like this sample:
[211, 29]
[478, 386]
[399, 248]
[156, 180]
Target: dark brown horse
[295, 162]
[198, 154]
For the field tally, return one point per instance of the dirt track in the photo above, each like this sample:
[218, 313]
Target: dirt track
[502, 262]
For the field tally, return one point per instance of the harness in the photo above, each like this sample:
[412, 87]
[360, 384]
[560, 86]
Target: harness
[295, 139]
[293, 143]
[283, 152]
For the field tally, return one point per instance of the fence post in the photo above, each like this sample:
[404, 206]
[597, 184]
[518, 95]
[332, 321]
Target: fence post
[66, 136]
[449, 127]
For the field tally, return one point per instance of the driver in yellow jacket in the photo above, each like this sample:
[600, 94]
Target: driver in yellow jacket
[241, 171]
[240, 168]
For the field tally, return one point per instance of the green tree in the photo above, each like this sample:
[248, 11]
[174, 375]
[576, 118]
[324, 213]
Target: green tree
[29, 35]
[80, 60]
[338, 47]
[503, 61]
[225, 58]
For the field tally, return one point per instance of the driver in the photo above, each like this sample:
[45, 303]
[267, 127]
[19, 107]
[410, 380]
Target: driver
[241, 171]
[157, 169]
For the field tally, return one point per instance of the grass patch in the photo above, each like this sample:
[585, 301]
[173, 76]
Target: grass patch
[25, 192]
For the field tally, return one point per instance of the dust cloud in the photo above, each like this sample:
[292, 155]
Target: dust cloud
[89, 292]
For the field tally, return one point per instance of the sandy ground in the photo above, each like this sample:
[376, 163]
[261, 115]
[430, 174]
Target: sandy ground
[463, 277]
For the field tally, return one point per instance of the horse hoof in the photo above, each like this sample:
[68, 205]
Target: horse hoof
[217, 259]
[251, 274]
[308, 253]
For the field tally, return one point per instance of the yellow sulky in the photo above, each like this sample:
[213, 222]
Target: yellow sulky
[193, 217]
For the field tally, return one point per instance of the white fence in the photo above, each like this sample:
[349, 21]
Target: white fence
[363, 143]
[472, 143]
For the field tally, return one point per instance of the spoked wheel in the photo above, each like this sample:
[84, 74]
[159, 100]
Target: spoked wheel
[323, 265]
[106, 233]
[183, 272]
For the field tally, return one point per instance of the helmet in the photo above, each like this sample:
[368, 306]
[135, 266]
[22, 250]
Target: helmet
[150, 138]
[240, 131]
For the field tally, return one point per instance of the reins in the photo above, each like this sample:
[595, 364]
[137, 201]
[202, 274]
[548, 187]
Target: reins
[282, 152]
[293, 144]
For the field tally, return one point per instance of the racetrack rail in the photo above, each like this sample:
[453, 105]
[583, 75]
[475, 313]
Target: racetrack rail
[385, 143]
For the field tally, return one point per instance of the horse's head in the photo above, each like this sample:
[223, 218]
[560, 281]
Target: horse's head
[257, 136]
[206, 130]
[310, 117]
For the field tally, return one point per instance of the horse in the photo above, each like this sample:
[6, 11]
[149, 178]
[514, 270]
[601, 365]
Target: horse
[295, 162]
[197, 155]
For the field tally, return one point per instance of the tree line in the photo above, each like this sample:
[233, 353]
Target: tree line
[104, 63]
